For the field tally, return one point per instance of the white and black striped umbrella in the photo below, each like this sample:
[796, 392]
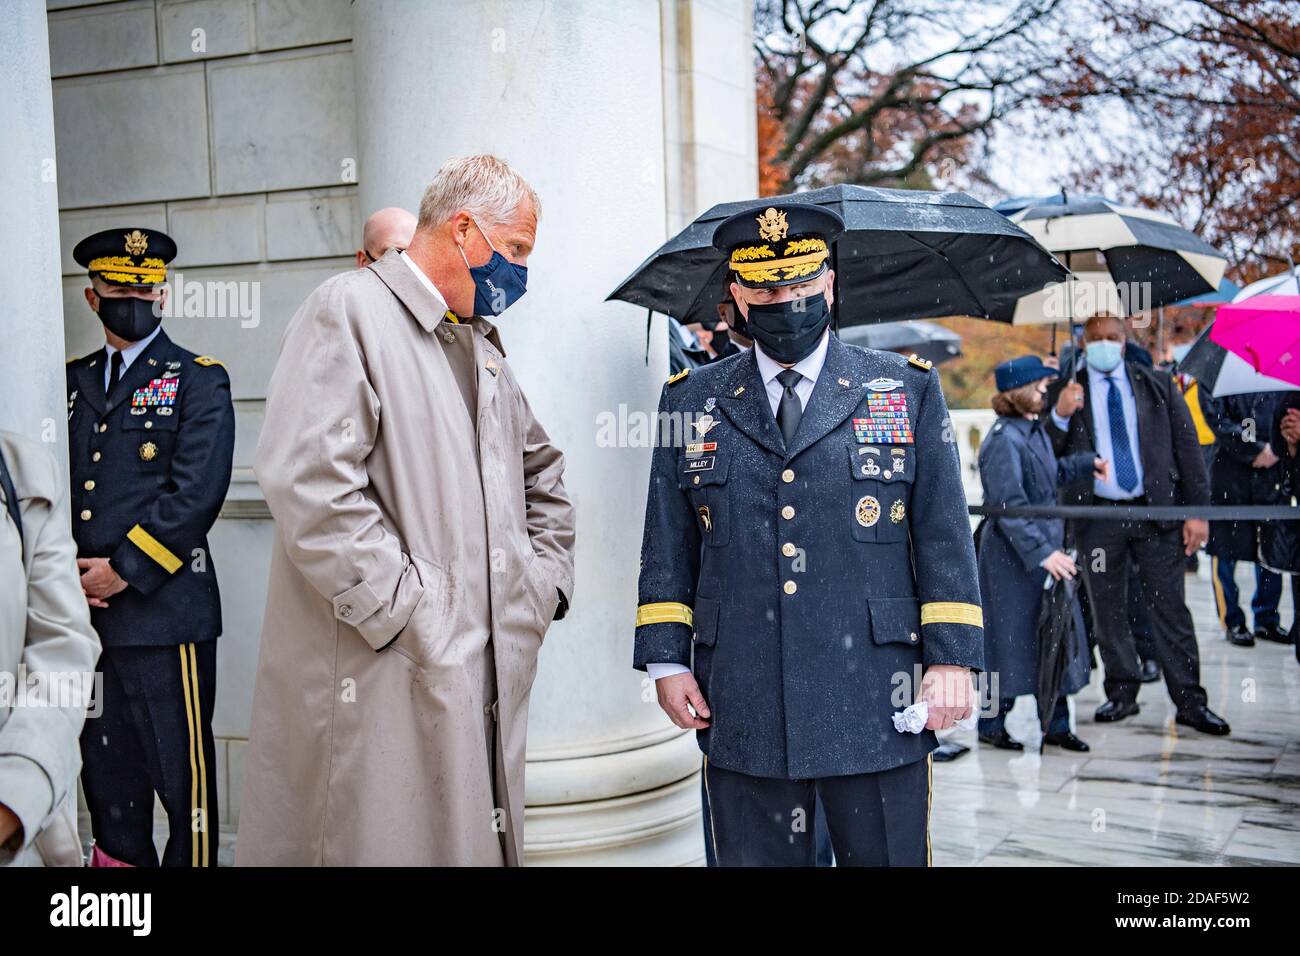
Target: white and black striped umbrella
[1124, 260]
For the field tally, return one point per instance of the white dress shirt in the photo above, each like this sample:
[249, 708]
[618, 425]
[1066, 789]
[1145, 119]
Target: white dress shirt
[424, 280]
[128, 354]
[1098, 397]
[810, 367]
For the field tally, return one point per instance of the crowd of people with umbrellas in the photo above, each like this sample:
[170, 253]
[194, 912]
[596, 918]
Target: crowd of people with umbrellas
[1227, 438]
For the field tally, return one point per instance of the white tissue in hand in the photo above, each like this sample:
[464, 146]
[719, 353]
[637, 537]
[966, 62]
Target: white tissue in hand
[912, 720]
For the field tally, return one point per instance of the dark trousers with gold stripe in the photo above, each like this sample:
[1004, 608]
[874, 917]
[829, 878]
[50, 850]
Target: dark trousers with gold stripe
[154, 735]
[874, 819]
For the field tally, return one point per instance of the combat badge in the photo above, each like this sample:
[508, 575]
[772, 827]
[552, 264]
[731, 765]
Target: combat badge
[884, 384]
[868, 511]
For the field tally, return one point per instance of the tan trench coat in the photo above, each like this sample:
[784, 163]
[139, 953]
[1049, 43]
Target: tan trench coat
[414, 573]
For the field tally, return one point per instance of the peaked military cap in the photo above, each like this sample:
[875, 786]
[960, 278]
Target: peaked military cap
[126, 256]
[780, 244]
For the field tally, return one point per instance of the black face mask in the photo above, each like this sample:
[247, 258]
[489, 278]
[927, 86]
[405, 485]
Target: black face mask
[789, 331]
[128, 317]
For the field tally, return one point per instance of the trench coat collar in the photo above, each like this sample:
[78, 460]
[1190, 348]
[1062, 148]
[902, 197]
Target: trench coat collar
[427, 310]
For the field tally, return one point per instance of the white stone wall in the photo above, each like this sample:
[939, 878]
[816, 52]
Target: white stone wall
[239, 141]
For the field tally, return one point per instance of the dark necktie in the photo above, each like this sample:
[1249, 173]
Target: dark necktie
[789, 411]
[114, 374]
[1125, 468]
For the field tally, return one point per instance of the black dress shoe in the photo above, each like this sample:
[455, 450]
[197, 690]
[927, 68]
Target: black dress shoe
[1150, 672]
[1239, 636]
[1114, 710]
[1002, 740]
[1066, 741]
[1203, 719]
[1274, 634]
[948, 751]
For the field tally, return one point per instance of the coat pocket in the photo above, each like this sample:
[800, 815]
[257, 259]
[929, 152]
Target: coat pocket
[420, 641]
[881, 491]
[704, 478]
[895, 620]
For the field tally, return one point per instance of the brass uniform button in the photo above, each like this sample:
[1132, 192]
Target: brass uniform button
[89, 486]
[788, 549]
[148, 424]
[85, 515]
[912, 637]
[790, 587]
[788, 475]
[787, 512]
[96, 456]
[697, 479]
[103, 426]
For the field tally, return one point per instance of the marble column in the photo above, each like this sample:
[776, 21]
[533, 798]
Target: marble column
[32, 388]
[571, 95]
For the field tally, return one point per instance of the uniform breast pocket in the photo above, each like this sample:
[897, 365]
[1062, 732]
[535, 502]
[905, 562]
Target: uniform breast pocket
[150, 439]
[881, 491]
[704, 479]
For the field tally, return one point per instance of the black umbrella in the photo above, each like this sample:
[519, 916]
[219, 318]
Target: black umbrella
[1055, 629]
[925, 339]
[904, 254]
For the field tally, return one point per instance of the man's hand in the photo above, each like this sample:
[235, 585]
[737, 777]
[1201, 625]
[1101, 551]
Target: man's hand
[675, 693]
[99, 581]
[1195, 534]
[1101, 468]
[9, 824]
[1070, 400]
[947, 689]
[1265, 459]
[1060, 565]
[1291, 430]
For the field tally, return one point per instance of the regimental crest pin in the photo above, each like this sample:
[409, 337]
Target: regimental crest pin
[710, 404]
[897, 512]
[148, 451]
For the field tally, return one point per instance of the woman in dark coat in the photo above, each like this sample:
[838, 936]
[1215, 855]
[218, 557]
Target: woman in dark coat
[1016, 555]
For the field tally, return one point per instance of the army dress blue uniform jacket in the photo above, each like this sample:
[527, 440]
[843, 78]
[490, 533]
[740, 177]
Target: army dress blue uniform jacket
[149, 471]
[814, 583]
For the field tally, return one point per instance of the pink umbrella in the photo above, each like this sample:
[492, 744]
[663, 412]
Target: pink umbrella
[1265, 331]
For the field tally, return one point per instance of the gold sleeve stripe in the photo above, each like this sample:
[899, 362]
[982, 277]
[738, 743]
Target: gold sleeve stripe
[153, 547]
[952, 612]
[665, 612]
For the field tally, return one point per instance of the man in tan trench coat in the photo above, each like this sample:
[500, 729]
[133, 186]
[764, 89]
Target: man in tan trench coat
[424, 542]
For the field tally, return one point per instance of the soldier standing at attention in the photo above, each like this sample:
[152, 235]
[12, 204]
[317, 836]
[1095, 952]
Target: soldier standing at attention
[807, 556]
[151, 433]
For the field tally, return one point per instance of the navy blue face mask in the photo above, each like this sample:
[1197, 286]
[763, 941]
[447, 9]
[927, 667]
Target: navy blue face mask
[498, 283]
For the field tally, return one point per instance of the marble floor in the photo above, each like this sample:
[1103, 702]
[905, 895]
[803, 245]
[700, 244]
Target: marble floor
[1150, 793]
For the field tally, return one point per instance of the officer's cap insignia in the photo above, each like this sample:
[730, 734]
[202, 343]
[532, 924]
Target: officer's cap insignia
[884, 384]
[673, 380]
[704, 424]
[772, 225]
[148, 451]
[868, 511]
[208, 360]
[924, 364]
[706, 519]
[897, 511]
[136, 243]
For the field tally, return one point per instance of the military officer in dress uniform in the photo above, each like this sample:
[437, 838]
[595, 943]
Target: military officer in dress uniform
[807, 558]
[151, 434]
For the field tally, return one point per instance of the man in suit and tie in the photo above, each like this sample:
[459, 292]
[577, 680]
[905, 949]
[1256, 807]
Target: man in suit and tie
[1136, 418]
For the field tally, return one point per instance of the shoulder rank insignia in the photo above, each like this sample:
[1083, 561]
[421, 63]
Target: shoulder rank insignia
[923, 364]
[208, 360]
[673, 380]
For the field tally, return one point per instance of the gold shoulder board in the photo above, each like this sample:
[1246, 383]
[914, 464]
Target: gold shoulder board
[679, 376]
[208, 360]
[923, 364]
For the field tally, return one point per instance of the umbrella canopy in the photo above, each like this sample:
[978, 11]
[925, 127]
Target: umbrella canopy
[1284, 283]
[1265, 331]
[905, 254]
[1124, 259]
[1223, 373]
[927, 340]
[1226, 292]
[1055, 627]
